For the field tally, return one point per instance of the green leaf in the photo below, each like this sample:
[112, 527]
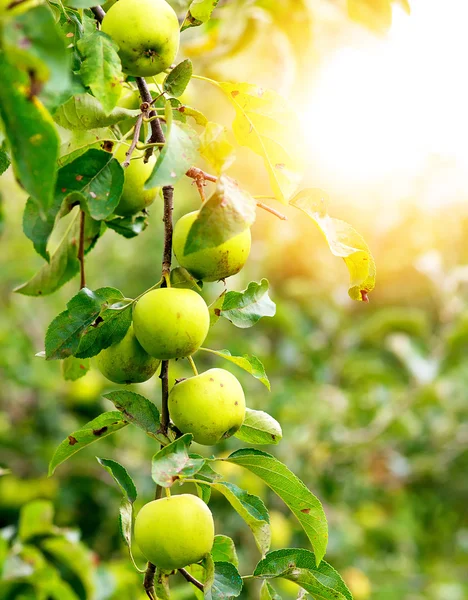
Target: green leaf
[304, 505]
[251, 509]
[344, 241]
[199, 12]
[128, 227]
[173, 462]
[195, 114]
[246, 308]
[34, 43]
[80, 3]
[259, 428]
[225, 583]
[298, 565]
[30, 132]
[215, 308]
[228, 212]
[4, 161]
[101, 69]
[111, 329]
[216, 148]
[178, 79]
[181, 278]
[224, 550]
[138, 410]
[36, 519]
[97, 429]
[251, 364]
[267, 592]
[177, 155]
[74, 368]
[121, 477]
[83, 112]
[265, 123]
[126, 521]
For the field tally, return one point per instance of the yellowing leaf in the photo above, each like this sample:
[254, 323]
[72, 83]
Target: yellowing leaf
[215, 147]
[344, 241]
[266, 124]
[374, 14]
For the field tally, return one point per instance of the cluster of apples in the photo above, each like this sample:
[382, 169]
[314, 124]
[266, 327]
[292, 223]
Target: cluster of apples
[171, 323]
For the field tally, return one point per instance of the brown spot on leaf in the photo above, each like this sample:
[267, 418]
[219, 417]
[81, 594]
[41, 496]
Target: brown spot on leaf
[63, 190]
[72, 440]
[235, 93]
[305, 511]
[280, 166]
[107, 145]
[79, 177]
[217, 312]
[83, 367]
[70, 35]
[364, 296]
[236, 403]
[100, 431]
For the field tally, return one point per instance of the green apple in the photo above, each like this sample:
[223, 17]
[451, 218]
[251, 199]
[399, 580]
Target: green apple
[175, 532]
[171, 322]
[147, 33]
[134, 196]
[210, 406]
[126, 361]
[211, 264]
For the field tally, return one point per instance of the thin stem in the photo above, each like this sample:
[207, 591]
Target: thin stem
[81, 250]
[136, 137]
[191, 579]
[99, 13]
[148, 582]
[168, 193]
[192, 364]
[272, 211]
[157, 135]
[165, 396]
[196, 173]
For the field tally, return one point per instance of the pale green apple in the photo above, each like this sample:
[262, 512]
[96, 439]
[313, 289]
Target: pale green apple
[175, 532]
[171, 322]
[147, 33]
[210, 406]
[134, 196]
[126, 361]
[211, 264]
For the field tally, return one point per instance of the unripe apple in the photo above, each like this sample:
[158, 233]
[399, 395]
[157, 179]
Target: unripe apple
[134, 196]
[175, 532]
[126, 361]
[211, 264]
[210, 406]
[171, 322]
[147, 33]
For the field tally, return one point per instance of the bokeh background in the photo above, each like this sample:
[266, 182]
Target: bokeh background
[372, 398]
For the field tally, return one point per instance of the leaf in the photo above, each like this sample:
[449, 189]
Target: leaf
[195, 114]
[251, 364]
[31, 134]
[374, 14]
[216, 148]
[343, 240]
[177, 155]
[298, 565]
[267, 592]
[77, 559]
[199, 12]
[304, 505]
[4, 161]
[173, 462]
[126, 521]
[181, 278]
[226, 582]
[259, 428]
[251, 509]
[266, 124]
[83, 112]
[178, 79]
[215, 308]
[138, 410]
[74, 368]
[228, 212]
[101, 69]
[36, 519]
[111, 329]
[246, 308]
[121, 477]
[128, 227]
[224, 550]
[97, 429]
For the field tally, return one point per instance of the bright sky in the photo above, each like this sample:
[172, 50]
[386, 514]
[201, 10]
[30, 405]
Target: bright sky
[385, 107]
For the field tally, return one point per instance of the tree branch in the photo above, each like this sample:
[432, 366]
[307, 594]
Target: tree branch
[81, 250]
[191, 579]
[99, 13]
[148, 583]
[157, 135]
[136, 137]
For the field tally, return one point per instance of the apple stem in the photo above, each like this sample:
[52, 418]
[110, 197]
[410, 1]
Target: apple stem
[192, 364]
[191, 579]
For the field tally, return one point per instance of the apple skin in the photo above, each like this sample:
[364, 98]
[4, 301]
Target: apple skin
[126, 361]
[210, 406]
[147, 33]
[175, 532]
[170, 322]
[211, 264]
[134, 197]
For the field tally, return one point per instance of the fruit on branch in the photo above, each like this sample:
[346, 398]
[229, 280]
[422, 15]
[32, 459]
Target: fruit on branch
[210, 406]
[147, 33]
[211, 264]
[134, 196]
[126, 361]
[171, 322]
[175, 532]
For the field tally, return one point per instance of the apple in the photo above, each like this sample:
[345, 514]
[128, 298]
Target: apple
[171, 322]
[147, 33]
[175, 532]
[211, 264]
[134, 196]
[126, 361]
[210, 406]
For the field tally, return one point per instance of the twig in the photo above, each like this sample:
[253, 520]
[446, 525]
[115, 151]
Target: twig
[148, 582]
[191, 579]
[165, 395]
[99, 13]
[198, 174]
[136, 137]
[168, 193]
[272, 211]
[157, 135]
[81, 250]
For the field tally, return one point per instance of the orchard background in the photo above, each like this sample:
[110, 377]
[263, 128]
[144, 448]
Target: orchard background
[371, 397]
